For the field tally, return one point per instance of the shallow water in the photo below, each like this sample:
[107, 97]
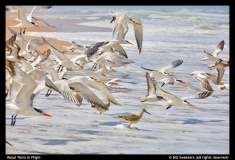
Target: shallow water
[178, 130]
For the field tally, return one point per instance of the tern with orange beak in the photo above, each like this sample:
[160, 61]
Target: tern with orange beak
[24, 22]
[173, 100]
[120, 28]
[23, 102]
[178, 82]
[162, 72]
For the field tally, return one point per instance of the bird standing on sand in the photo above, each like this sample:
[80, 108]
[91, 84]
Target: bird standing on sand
[133, 118]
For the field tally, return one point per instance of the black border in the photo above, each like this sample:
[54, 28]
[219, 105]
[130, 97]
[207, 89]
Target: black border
[162, 156]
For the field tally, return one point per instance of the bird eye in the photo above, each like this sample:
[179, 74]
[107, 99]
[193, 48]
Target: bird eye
[92, 78]
[71, 88]
[33, 23]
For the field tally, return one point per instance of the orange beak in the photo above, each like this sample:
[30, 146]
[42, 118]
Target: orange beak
[170, 74]
[184, 82]
[213, 75]
[192, 105]
[78, 90]
[100, 81]
[114, 63]
[36, 25]
[123, 64]
[48, 115]
[115, 83]
[138, 23]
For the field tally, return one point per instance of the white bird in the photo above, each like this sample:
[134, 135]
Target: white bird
[162, 72]
[20, 41]
[64, 60]
[173, 100]
[23, 103]
[178, 82]
[87, 94]
[112, 82]
[213, 56]
[95, 84]
[62, 85]
[202, 78]
[221, 85]
[81, 60]
[151, 96]
[120, 28]
[220, 67]
[24, 22]
[77, 47]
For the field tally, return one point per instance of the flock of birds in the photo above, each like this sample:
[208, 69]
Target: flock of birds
[29, 71]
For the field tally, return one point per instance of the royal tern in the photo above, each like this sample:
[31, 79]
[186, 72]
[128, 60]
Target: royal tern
[112, 82]
[81, 60]
[95, 84]
[24, 22]
[220, 67]
[133, 118]
[64, 60]
[162, 72]
[20, 41]
[213, 56]
[87, 94]
[151, 96]
[178, 82]
[23, 103]
[173, 100]
[41, 57]
[221, 85]
[77, 47]
[93, 49]
[62, 85]
[201, 77]
[120, 28]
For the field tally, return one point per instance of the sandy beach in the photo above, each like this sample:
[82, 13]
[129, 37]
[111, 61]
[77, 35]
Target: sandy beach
[10, 21]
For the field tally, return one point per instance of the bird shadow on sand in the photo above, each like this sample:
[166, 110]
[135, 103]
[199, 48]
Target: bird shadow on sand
[58, 141]
[90, 132]
[110, 123]
[198, 121]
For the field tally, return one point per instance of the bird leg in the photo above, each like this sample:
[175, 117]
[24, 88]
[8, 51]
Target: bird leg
[48, 93]
[20, 30]
[61, 69]
[169, 106]
[73, 49]
[94, 66]
[24, 30]
[13, 120]
[129, 126]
